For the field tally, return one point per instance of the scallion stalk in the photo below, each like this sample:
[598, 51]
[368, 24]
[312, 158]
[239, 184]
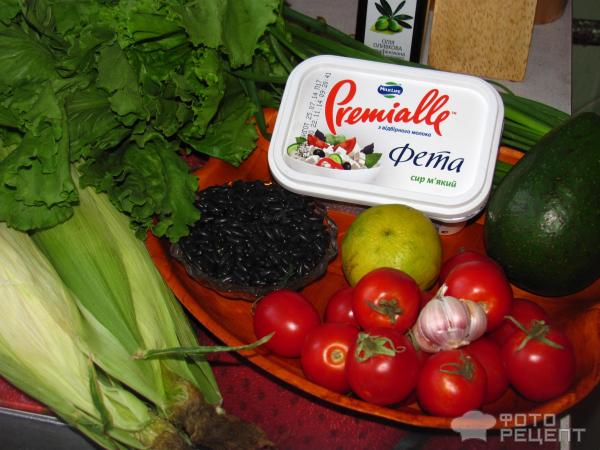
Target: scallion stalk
[322, 27]
[281, 37]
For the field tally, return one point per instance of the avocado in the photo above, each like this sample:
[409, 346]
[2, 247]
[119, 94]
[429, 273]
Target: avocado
[543, 220]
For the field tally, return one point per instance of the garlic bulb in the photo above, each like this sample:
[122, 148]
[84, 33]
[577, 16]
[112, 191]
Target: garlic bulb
[447, 322]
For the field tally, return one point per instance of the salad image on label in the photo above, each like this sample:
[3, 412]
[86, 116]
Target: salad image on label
[333, 152]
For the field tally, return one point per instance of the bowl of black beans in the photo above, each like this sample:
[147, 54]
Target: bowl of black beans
[255, 237]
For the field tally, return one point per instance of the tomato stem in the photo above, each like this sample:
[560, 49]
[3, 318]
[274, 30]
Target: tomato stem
[538, 331]
[410, 334]
[465, 368]
[368, 346]
[388, 308]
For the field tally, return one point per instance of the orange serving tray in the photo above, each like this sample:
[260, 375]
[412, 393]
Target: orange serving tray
[231, 320]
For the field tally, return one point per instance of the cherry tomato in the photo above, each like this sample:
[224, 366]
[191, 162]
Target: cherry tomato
[387, 298]
[348, 144]
[451, 383]
[426, 296]
[311, 139]
[382, 367]
[290, 316]
[328, 162]
[524, 311]
[484, 282]
[462, 256]
[539, 361]
[488, 353]
[339, 307]
[324, 355]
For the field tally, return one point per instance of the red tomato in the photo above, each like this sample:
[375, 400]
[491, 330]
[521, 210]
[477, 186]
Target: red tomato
[387, 298]
[484, 282]
[451, 383]
[524, 311]
[290, 315]
[339, 307]
[426, 296]
[382, 367]
[540, 362]
[462, 256]
[328, 162]
[324, 355]
[487, 352]
[311, 139]
[348, 144]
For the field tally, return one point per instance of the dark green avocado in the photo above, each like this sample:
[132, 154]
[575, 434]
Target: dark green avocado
[543, 220]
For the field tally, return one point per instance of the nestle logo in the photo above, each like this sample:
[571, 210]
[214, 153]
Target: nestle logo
[390, 90]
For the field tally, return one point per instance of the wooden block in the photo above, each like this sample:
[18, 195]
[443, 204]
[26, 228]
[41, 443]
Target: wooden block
[487, 38]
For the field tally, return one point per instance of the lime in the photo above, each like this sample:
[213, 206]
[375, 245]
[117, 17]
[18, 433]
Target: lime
[395, 236]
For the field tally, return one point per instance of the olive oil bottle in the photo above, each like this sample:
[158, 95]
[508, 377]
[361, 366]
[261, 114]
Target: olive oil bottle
[393, 27]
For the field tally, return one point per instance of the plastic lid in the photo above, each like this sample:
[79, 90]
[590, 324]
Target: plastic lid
[438, 134]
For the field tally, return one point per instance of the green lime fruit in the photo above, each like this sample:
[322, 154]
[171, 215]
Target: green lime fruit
[395, 236]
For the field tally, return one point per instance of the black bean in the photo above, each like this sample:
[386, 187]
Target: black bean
[256, 234]
[305, 238]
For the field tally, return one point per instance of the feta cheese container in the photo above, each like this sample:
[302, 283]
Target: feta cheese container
[429, 138]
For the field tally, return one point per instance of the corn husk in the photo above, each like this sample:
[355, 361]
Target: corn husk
[42, 354]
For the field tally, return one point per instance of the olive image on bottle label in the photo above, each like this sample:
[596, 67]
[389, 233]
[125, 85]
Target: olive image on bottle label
[391, 20]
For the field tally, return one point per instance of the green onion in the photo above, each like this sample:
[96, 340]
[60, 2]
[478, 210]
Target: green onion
[280, 53]
[252, 94]
[322, 27]
[282, 38]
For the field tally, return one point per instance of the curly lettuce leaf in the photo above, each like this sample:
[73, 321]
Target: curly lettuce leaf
[132, 20]
[149, 182]
[202, 88]
[8, 10]
[235, 26]
[93, 126]
[36, 188]
[23, 58]
[123, 89]
[117, 76]
[232, 135]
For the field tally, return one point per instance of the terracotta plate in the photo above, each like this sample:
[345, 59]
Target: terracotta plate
[231, 320]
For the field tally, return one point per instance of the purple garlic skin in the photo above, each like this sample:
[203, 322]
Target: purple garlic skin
[446, 323]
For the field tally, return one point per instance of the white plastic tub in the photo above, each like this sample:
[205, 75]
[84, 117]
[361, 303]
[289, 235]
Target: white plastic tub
[438, 134]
